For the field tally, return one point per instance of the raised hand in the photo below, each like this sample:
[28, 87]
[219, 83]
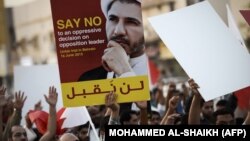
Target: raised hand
[110, 101]
[194, 86]
[51, 99]
[173, 102]
[19, 100]
[3, 100]
[38, 105]
[172, 118]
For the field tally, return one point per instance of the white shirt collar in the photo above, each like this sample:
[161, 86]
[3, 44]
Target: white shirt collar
[134, 61]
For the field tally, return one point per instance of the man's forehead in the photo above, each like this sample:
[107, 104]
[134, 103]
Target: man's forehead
[118, 9]
[208, 103]
[17, 129]
[84, 129]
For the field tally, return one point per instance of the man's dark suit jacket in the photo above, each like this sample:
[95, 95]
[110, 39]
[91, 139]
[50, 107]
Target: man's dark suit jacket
[94, 74]
[101, 73]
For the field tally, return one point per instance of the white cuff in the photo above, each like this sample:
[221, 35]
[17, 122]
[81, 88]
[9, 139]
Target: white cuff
[127, 74]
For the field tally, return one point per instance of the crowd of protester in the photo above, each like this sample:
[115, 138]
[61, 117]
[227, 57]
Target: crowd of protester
[182, 106]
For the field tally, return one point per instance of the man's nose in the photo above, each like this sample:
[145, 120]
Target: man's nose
[23, 136]
[120, 29]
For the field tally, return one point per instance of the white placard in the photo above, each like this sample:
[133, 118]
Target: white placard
[35, 82]
[205, 48]
[3, 62]
[83, 117]
[234, 28]
[70, 115]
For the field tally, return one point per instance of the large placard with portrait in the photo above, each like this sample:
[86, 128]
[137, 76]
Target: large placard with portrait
[100, 48]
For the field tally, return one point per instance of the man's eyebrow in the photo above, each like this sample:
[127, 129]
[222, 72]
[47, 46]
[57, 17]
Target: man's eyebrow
[112, 15]
[133, 19]
[127, 18]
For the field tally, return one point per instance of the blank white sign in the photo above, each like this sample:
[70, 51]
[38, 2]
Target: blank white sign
[35, 82]
[205, 48]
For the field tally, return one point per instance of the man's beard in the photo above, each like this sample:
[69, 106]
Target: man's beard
[138, 46]
[120, 39]
[133, 48]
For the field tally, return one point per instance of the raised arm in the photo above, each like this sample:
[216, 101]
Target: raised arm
[142, 105]
[16, 117]
[51, 99]
[170, 93]
[110, 102]
[173, 102]
[3, 102]
[195, 108]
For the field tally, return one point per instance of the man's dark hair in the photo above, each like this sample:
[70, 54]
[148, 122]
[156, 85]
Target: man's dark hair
[122, 1]
[222, 102]
[86, 125]
[126, 116]
[223, 111]
[155, 113]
